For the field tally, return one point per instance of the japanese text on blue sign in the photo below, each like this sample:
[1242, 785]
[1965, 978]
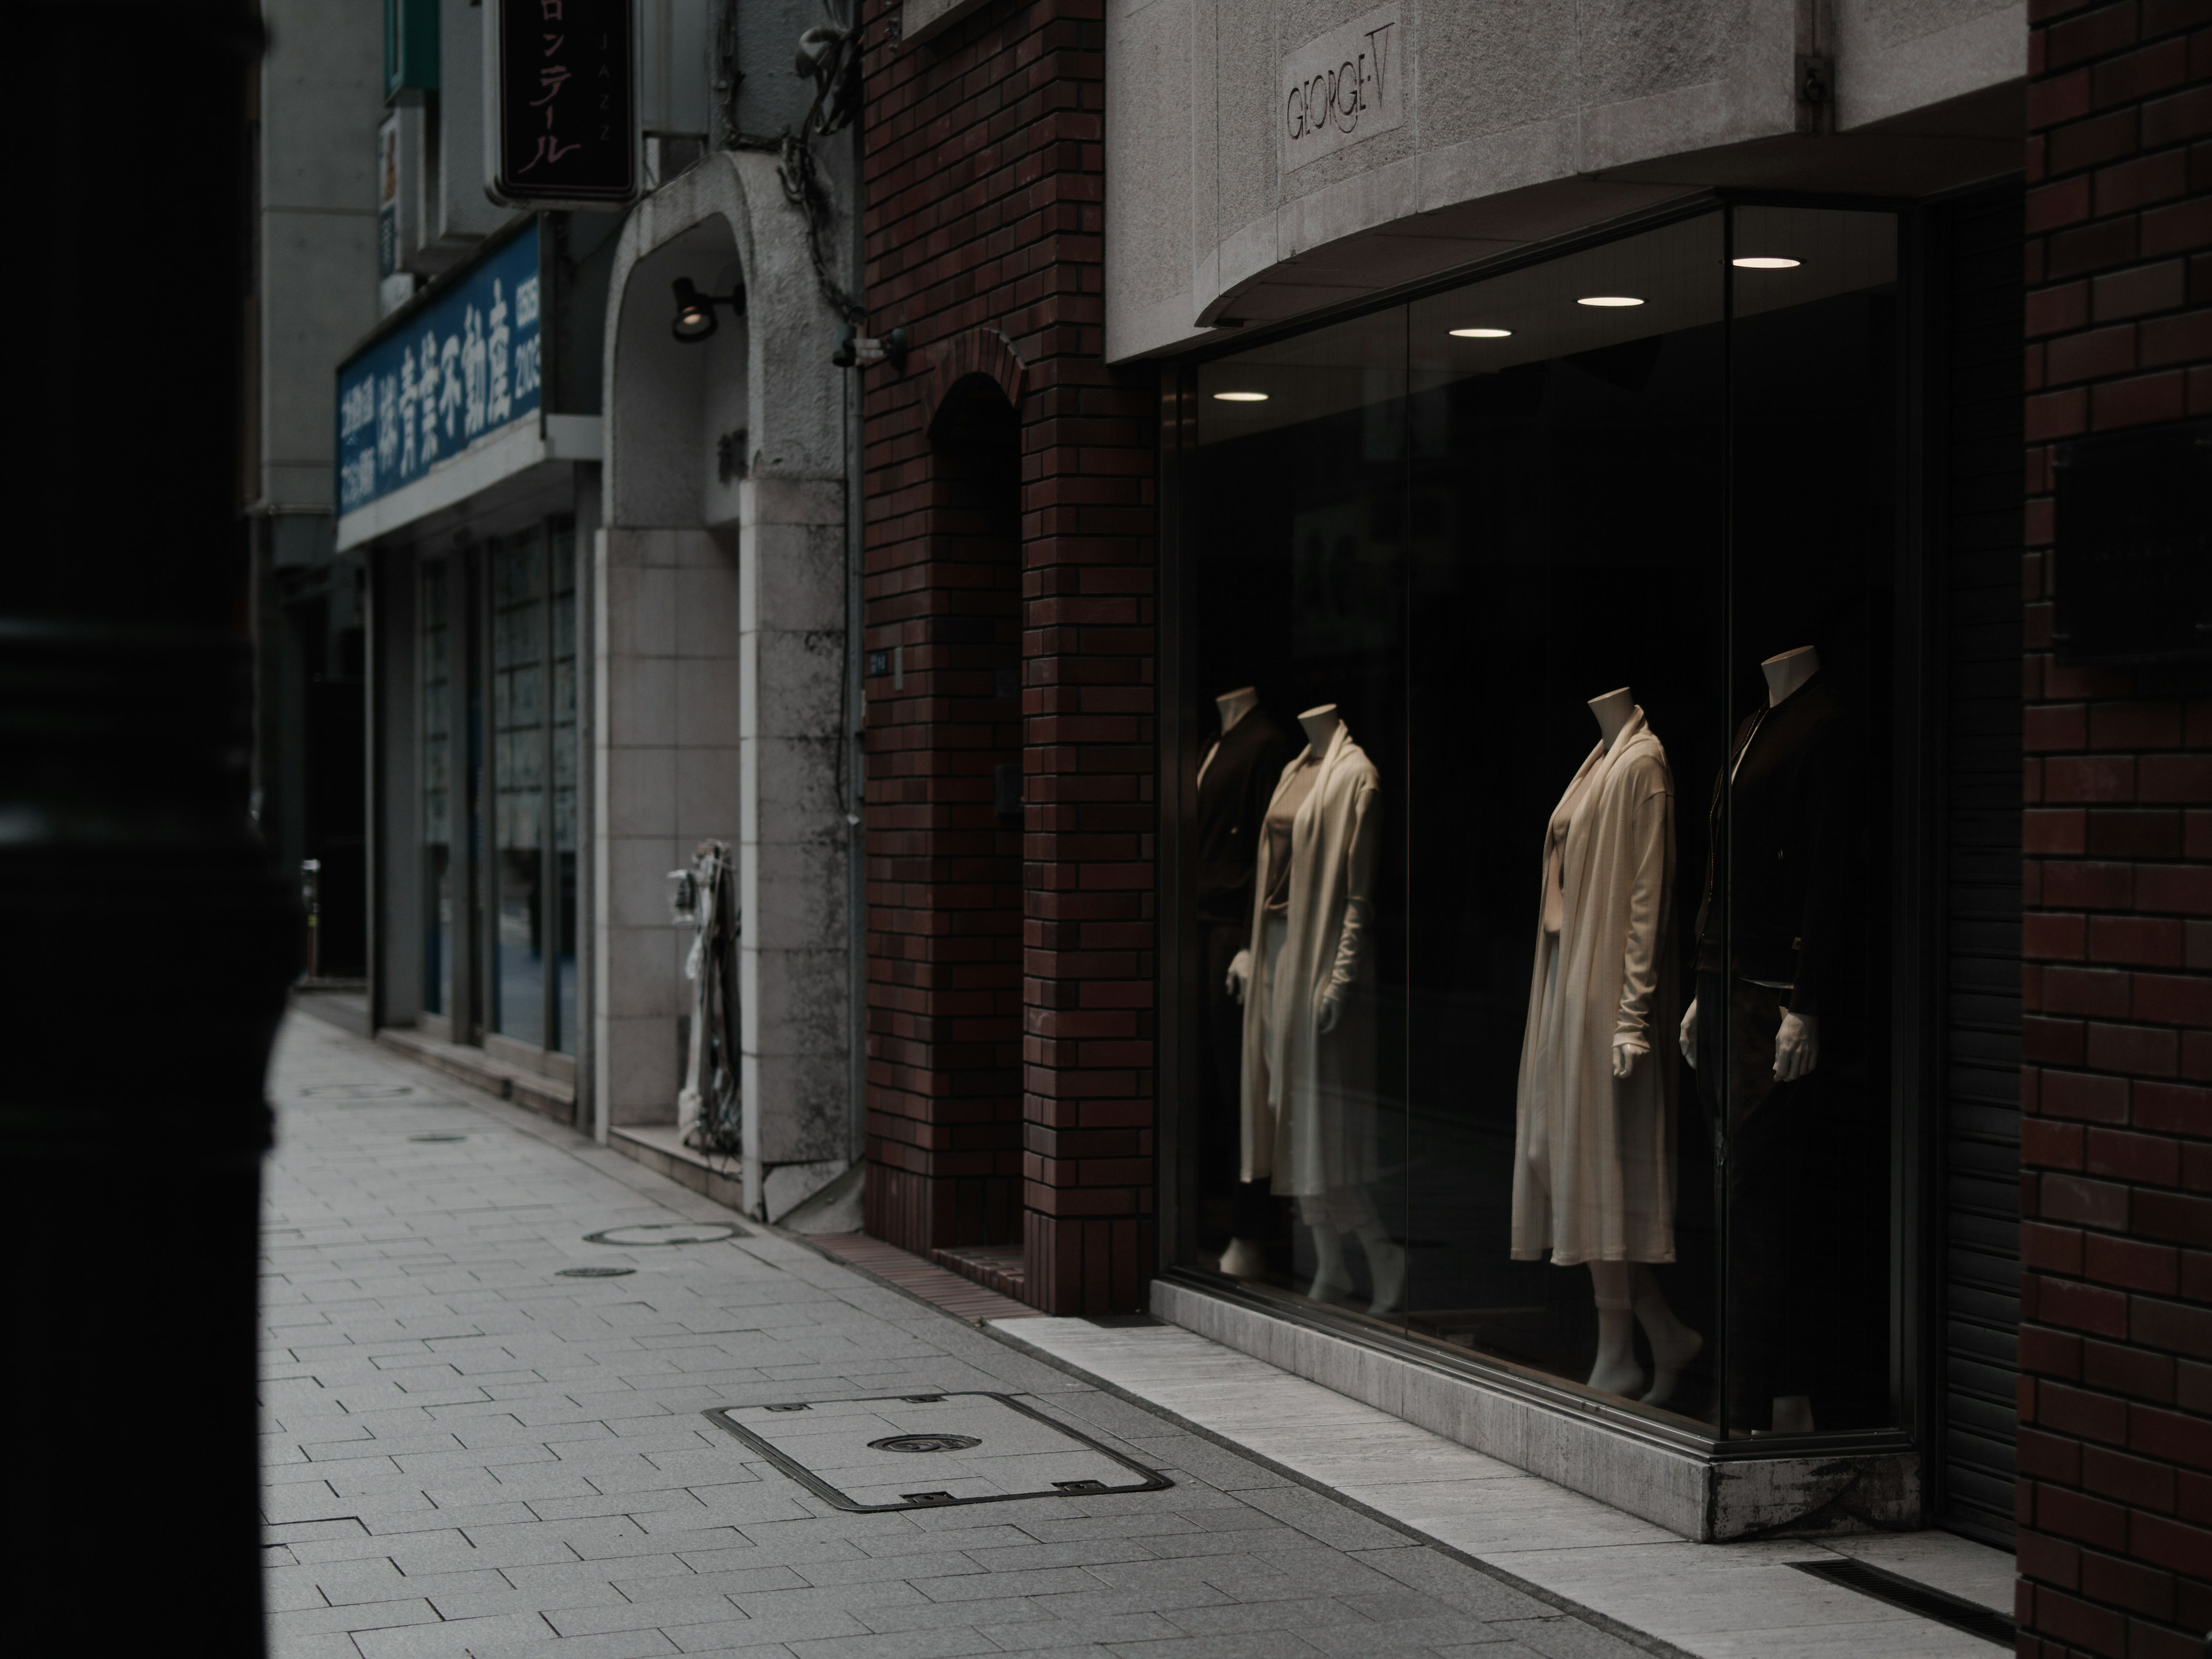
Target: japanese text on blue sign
[462, 369]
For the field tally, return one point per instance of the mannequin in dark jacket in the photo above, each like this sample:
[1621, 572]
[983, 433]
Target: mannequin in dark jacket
[1777, 960]
[1236, 781]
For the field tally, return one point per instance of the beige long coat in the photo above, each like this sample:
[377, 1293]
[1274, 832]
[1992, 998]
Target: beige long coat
[1593, 1155]
[1308, 1100]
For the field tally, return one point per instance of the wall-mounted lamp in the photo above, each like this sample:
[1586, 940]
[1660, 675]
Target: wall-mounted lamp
[856, 350]
[694, 311]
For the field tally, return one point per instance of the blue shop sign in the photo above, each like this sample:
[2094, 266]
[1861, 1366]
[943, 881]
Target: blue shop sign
[463, 367]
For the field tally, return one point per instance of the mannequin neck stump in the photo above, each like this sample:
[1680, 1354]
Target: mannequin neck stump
[1613, 711]
[1787, 672]
[1320, 725]
[1235, 706]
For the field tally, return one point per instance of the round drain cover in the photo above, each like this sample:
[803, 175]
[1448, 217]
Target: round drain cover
[663, 1232]
[355, 1091]
[424, 1138]
[925, 1442]
[595, 1272]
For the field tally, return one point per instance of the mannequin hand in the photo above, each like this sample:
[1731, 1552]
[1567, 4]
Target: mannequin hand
[1627, 1051]
[1327, 1012]
[1690, 1034]
[1240, 974]
[1797, 1046]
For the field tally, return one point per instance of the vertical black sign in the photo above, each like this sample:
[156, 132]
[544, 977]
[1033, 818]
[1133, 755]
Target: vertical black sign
[2134, 537]
[566, 117]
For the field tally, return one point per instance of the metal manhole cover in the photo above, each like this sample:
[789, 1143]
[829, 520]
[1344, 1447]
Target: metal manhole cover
[355, 1091]
[595, 1273]
[426, 1140]
[856, 1454]
[663, 1233]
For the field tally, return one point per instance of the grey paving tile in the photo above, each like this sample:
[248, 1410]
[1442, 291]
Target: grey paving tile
[452, 1427]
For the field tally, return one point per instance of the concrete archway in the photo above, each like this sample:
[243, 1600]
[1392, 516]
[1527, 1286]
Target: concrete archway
[720, 599]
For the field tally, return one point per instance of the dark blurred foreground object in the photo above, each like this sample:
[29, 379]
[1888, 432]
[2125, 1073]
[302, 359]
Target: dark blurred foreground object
[145, 939]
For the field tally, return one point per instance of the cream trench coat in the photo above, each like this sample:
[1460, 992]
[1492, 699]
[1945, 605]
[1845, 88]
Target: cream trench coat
[1593, 1155]
[1308, 1100]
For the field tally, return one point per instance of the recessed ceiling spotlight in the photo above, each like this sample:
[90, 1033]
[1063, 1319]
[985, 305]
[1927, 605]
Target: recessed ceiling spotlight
[1482, 333]
[1761, 262]
[1240, 397]
[1609, 300]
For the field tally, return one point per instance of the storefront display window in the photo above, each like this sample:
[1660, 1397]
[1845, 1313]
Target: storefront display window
[503, 749]
[437, 785]
[1524, 949]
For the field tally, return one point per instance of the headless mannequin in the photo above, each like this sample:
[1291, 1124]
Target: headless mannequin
[1797, 1044]
[1234, 707]
[1626, 1291]
[1243, 1259]
[1386, 1260]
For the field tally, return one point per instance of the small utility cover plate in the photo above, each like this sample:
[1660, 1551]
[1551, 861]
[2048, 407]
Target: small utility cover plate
[930, 1450]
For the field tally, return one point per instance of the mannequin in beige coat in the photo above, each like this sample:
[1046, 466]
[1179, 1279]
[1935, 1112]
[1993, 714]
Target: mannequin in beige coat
[1306, 986]
[1593, 1153]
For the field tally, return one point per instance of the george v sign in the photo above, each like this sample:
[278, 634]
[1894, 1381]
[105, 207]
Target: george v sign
[563, 105]
[1344, 87]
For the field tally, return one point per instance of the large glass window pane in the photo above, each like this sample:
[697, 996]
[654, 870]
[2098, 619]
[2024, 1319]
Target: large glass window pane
[1296, 793]
[564, 783]
[437, 785]
[1565, 539]
[518, 755]
[1793, 962]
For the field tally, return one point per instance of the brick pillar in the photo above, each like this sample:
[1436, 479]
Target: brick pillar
[2115, 1490]
[983, 167]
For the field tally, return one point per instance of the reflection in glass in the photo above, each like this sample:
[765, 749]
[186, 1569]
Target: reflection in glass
[437, 785]
[518, 703]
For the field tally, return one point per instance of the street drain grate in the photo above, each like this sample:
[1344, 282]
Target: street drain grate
[355, 1091]
[639, 1234]
[990, 1447]
[427, 1140]
[595, 1273]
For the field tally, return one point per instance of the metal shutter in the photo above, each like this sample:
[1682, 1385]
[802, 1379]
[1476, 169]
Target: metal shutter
[1979, 1098]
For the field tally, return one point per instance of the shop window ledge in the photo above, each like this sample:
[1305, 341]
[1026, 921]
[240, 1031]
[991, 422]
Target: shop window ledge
[552, 1095]
[660, 1148]
[1706, 1490]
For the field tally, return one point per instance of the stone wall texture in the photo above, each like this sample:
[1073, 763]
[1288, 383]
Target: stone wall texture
[2115, 1495]
[1010, 974]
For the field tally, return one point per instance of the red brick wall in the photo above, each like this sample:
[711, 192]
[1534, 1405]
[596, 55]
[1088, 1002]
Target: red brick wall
[983, 160]
[2114, 1491]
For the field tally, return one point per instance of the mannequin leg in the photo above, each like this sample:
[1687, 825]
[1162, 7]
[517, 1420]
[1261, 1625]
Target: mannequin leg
[1674, 1345]
[1243, 1259]
[1332, 1279]
[1616, 1371]
[1386, 1265]
[1793, 1413]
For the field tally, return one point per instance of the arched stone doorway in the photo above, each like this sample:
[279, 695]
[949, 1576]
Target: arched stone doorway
[721, 669]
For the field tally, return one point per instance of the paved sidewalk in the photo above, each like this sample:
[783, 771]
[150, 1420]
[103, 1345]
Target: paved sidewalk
[467, 1453]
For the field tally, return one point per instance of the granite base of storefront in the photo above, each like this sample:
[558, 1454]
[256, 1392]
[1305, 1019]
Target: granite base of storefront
[1701, 1490]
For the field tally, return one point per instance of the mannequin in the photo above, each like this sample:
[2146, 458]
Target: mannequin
[1234, 706]
[1307, 1079]
[1593, 1138]
[1797, 1044]
[1788, 786]
[1232, 788]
